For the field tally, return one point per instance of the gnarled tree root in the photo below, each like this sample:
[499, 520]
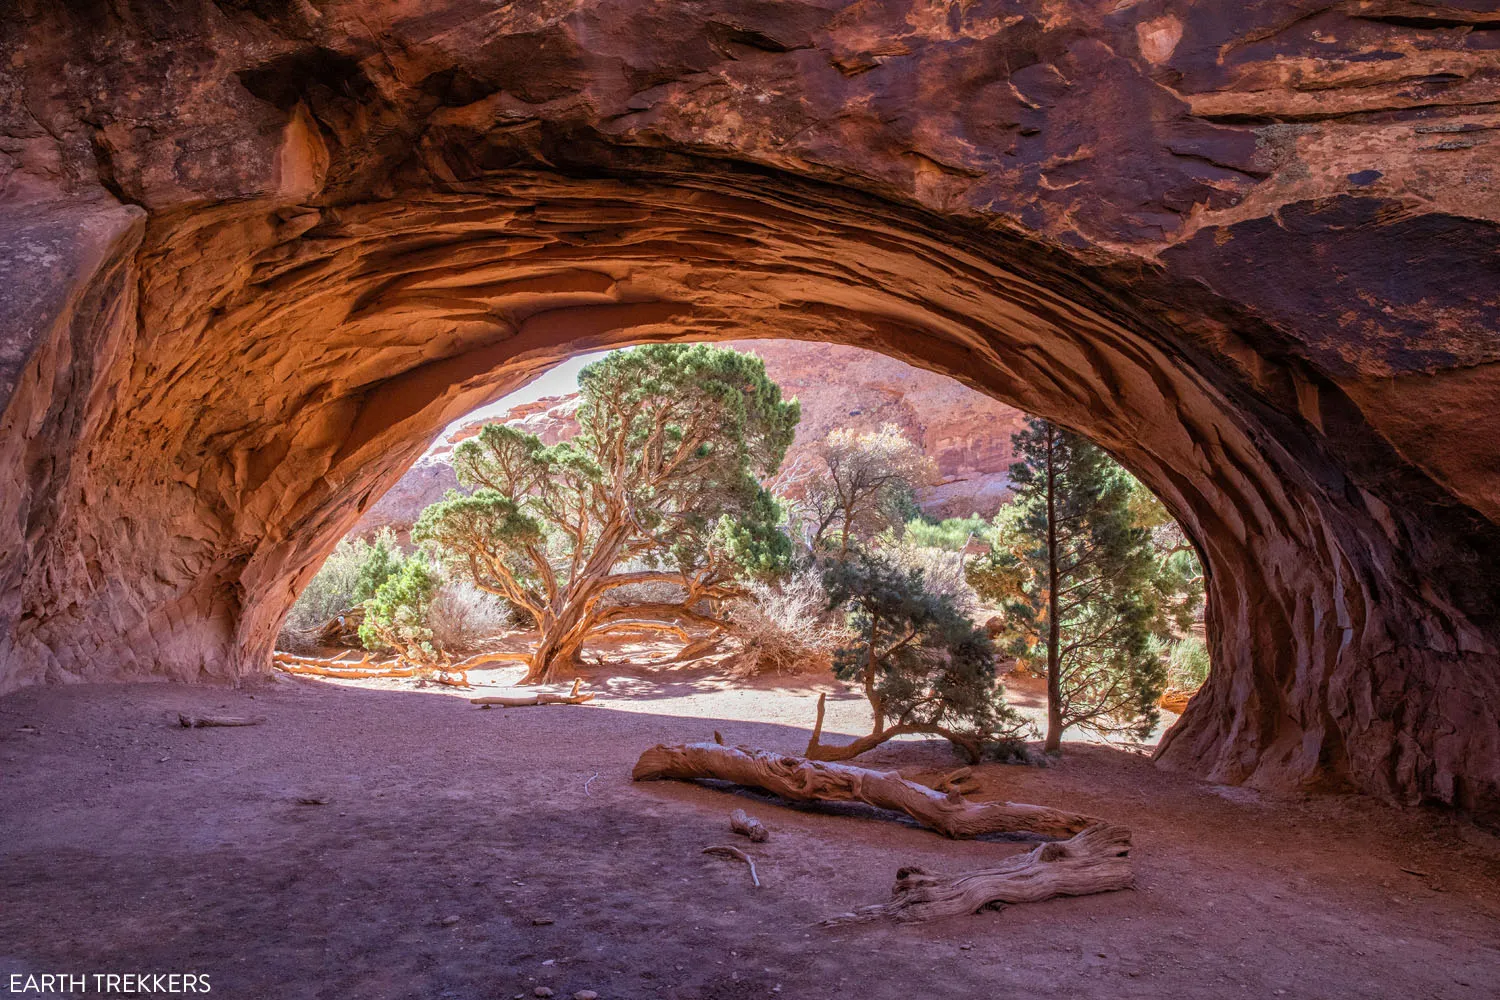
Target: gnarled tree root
[538, 698]
[1096, 860]
[807, 780]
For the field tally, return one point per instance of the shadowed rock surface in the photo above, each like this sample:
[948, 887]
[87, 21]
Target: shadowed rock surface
[254, 255]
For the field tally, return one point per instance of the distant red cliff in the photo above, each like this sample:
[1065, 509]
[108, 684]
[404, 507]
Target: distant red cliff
[965, 432]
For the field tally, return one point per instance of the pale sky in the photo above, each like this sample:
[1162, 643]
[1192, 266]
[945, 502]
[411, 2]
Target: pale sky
[558, 380]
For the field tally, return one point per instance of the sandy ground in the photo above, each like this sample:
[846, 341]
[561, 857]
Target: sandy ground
[474, 854]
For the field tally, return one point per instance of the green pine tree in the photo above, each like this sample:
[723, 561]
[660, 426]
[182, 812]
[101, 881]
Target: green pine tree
[396, 615]
[1081, 583]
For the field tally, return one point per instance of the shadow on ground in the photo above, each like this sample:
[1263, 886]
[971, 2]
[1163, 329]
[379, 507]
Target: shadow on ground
[482, 854]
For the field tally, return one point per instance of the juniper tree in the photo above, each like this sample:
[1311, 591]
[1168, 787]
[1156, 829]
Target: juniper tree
[1078, 578]
[662, 485]
[396, 614]
[924, 666]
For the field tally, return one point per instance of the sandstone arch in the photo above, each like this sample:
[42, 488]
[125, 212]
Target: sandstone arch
[256, 253]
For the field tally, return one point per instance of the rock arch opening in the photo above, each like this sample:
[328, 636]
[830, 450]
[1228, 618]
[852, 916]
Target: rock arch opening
[247, 295]
[312, 374]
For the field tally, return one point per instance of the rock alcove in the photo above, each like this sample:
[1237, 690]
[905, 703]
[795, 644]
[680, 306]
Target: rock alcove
[256, 254]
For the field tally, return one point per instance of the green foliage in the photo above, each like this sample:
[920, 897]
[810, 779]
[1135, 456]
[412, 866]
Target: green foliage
[381, 561]
[664, 474]
[396, 615]
[1187, 664]
[1104, 654]
[951, 534]
[347, 577]
[1178, 580]
[923, 664]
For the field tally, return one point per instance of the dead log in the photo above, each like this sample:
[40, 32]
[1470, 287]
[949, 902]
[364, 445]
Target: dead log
[746, 825]
[315, 661]
[204, 721]
[807, 780]
[735, 854]
[961, 781]
[1096, 860]
[699, 647]
[538, 698]
[339, 669]
[482, 659]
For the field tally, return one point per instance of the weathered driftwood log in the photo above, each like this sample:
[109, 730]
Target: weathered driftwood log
[482, 659]
[537, 698]
[806, 780]
[340, 669]
[961, 781]
[1096, 860]
[735, 854]
[364, 668]
[204, 721]
[746, 825]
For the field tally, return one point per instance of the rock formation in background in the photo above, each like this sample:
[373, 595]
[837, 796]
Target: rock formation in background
[965, 432]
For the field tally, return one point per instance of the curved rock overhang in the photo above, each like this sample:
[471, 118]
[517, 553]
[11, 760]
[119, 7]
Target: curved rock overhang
[245, 290]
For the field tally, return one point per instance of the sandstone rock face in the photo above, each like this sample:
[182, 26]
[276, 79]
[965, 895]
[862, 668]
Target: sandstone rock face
[258, 252]
[966, 434]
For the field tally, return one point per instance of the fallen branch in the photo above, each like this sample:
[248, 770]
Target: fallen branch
[735, 854]
[204, 721]
[746, 825]
[805, 781]
[314, 661]
[700, 647]
[482, 659]
[340, 669]
[538, 698]
[1096, 860]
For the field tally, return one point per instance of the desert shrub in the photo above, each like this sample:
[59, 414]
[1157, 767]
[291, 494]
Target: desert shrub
[396, 617]
[950, 535]
[786, 626]
[382, 561]
[924, 666]
[463, 618]
[1187, 664]
[349, 575]
[941, 568]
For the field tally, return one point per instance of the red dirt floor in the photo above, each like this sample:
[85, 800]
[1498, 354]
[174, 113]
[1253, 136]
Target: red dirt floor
[128, 844]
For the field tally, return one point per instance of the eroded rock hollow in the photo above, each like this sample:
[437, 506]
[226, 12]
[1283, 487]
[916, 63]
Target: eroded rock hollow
[254, 254]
